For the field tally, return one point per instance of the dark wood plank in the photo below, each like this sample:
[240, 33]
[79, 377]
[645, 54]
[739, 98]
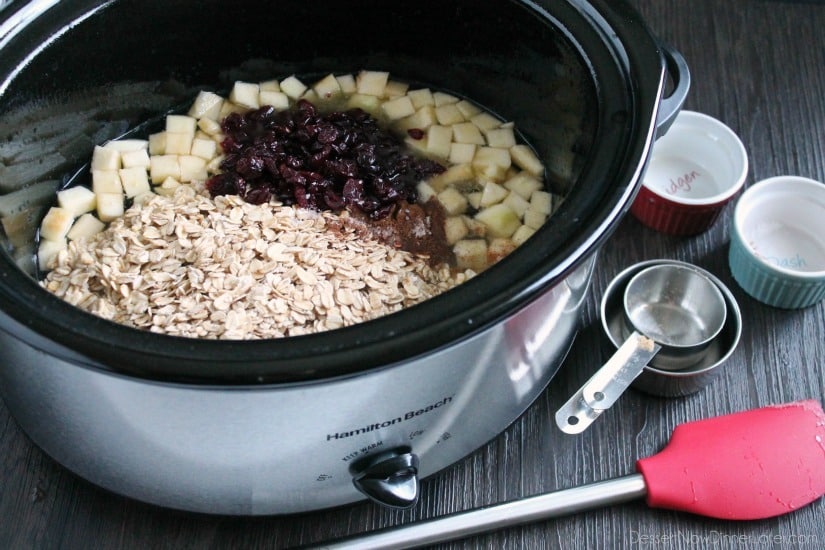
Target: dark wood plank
[758, 66]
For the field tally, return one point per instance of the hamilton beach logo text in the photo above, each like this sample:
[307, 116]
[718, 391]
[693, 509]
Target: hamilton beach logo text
[397, 420]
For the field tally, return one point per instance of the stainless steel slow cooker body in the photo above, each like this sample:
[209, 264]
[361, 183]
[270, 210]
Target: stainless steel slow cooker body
[284, 426]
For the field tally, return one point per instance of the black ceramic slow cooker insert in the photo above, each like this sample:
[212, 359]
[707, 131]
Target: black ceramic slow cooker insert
[507, 56]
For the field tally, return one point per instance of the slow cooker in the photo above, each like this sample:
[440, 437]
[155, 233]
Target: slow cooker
[303, 423]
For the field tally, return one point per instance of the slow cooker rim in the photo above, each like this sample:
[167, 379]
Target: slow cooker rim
[251, 361]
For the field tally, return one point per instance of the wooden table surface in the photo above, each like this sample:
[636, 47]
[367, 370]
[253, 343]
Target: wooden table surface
[756, 65]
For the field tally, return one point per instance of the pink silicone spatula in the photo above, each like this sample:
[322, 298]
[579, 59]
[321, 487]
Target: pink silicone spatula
[749, 465]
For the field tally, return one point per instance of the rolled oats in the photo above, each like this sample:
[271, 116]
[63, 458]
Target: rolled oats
[221, 268]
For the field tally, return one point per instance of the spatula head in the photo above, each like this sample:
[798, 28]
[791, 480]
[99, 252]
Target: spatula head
[750, 465]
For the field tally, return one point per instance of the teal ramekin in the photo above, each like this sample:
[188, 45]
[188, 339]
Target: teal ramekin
[777, 248]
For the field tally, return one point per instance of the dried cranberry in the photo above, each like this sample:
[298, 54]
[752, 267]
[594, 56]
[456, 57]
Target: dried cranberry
[257, 195]
[250, 166]
[342, 159]
[333, 200]
[226, 183]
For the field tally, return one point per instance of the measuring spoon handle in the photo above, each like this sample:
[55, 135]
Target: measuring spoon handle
[608, 384]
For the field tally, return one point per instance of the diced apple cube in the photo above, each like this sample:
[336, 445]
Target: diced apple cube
[372, 82]
[421, 97]
[474, 199]
[369, 103]
[106, 181]
[442, 98]
[206, 105]
[533, 218]
[455, 229]
[511, 172]
[143, 198]
[501, 137]
[542, 201]
[157, 142]
[451, 176]
[327, 87]
[179, 143]
[279, 100]
[138, 158]
[467, 132]
[126, 145]
[476, 228]
[109, 206]
[185, 190]
[453, 201]
[526, 159]
[162, 167]
[522, 234]
[192, 168]
[311, 96]
[501, 220]
[462, 153]
[181, 124]
[425, 192]
[422, 119]
[134, 181]
[448, 114]
[214, 165]
[105, 159]
[56, 223]
[347, 83]
[204, 148]
[208, 126]
[399, 107]
[517, 203]
[499, 248]
[471, 254]
[419, 145]
[468, 108]
[485, 121]
[76, 200]
[524, 184]
[168, 187]
[293, 87]
[269, 86]
[245, 94]
[439, 139]
[395, 88]
[229, 107]
[491, 163]
[492, 193]
[47, 251]
[85, 226]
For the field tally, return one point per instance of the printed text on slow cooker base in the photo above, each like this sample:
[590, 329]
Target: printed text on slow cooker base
[409, 415]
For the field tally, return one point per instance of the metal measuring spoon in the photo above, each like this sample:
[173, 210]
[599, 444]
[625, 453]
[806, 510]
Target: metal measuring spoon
[673, 313]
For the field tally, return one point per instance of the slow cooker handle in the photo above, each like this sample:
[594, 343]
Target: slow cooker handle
[670, 106]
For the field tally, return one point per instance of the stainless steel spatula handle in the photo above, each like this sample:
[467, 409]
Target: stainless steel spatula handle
[499, 516]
